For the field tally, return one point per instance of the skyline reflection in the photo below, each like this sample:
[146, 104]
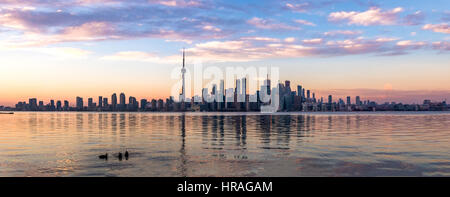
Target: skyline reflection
[215, 144]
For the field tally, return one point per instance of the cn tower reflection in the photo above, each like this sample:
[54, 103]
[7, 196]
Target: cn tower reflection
[183, 159]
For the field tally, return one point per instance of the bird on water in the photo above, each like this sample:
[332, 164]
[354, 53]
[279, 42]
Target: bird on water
[126, 154]
[120, 156]
[105, 156]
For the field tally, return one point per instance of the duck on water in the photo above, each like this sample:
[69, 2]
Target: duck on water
[118, 155]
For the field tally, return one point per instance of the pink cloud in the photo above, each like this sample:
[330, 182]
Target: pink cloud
[301, 7]
[441, 45]
[304, 22]
[410, 44]
[258, 38]
[177, 3]
[290, 39]
[373, 16]
[269, 24]
[313, 41]
[441, 28]
[342, 32]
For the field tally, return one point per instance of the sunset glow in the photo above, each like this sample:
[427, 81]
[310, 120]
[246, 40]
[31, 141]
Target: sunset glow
[380, 50]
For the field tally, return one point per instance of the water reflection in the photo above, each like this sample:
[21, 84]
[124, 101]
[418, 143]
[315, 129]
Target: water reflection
[214, 144]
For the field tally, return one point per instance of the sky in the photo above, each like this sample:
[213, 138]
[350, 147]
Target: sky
[386, 50]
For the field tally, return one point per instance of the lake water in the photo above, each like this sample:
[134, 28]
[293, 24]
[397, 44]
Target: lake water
[226, 144]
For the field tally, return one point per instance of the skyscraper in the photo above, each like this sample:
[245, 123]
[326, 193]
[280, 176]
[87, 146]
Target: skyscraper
[244, 89]
[66, 105]
[105, 102]
[79, 103]
[358, 100]
[114, 101]
[330, 99]
[348, 100]
[267, 84]
[33, 104]
[299, 90]
[100, 102]
[183, 90]
[58, 105]
[287, 83]
[90, 102]
[52, 105]
[143, 104]
[122, 104]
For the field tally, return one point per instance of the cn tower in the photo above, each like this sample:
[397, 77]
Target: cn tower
[183, 90]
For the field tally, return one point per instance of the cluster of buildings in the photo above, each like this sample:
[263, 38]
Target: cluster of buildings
[232, 99]
[282, 97]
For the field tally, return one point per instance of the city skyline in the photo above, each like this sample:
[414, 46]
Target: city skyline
[278, 97]
[381, 50]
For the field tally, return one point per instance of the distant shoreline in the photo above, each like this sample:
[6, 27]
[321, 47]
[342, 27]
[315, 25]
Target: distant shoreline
[229, 112]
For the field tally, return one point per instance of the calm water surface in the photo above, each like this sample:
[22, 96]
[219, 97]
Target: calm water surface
[226, 144]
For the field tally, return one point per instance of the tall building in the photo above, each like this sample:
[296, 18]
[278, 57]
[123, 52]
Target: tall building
[41, 105]
[132, 104]
[348, 100]
[79, 102]
[358, 100]
[90, 102]
[183, 88]
[244, 89]
[287, 85]
[237, 90]
[52, 105]
[143, 104]
[114, 101]
[299, 91]
[122, 99]
[105, 102]
[58, 105]
[221, 93]
[267, 84]
[330, 99]
[100, 102]
[33, 104]
[66, 105]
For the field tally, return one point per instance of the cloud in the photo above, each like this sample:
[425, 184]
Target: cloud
[270, 24]
[178, 3]
[342, 33]
[313, 41]
[304, 22]
[258, 48]
[290, 39]
[373, 16]
[440, 28]
[301, 7]
[245, 50]
[415, 18]
[441, 45]
[45, 26]
[265, 39]
[384, 39]
[410, 44]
